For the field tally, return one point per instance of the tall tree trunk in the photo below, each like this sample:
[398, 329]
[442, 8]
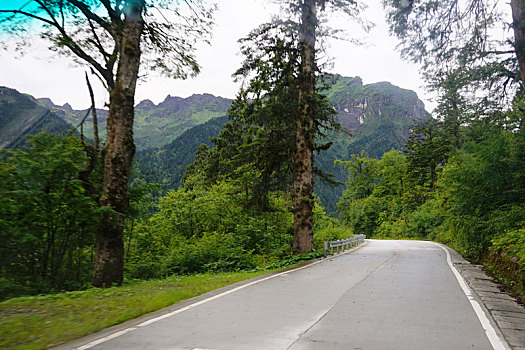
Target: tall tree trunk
[302, 157]
[518, 24]
[119, 151]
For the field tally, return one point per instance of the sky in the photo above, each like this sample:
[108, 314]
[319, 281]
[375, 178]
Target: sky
[41, 73]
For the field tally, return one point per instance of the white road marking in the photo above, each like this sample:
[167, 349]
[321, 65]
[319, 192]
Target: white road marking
[102, 340]
[497, 342]
[156, 319]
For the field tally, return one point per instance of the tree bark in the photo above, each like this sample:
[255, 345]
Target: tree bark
[119, 151]
[302, 157]
[518, 24]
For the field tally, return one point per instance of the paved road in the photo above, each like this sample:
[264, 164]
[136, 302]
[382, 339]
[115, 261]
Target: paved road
[384, 295]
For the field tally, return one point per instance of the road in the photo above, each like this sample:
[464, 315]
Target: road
[384, 295]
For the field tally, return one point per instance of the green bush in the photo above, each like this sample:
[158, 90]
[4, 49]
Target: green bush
[392, 228]
[263, 234]
[47, 219]
[11, 289]
[331, 234]
[213, 252]
[144, 270]
[424, 221]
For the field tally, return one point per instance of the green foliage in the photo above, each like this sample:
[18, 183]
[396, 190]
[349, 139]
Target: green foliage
[513, 242]
[506, 260]
[256, 146]
[47, 221]
[210, 253]
[426, 149]
[327, 228]
[482, 198]
[358, 208]
[22, 116]
[207, 229]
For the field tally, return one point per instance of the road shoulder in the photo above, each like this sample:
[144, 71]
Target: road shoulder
[502, 309]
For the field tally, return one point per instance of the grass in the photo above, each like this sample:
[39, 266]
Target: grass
[41, 322]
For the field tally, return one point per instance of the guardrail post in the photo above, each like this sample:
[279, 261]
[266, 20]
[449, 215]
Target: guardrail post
[342, 244]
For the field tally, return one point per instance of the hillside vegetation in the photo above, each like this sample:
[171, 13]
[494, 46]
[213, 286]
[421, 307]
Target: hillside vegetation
[374, 118]
[21, 116]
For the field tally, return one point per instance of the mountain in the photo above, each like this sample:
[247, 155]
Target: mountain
[356, 103]
[378, 115]
[21, 115]
[155, 125]
[166, 165]
[375, 118]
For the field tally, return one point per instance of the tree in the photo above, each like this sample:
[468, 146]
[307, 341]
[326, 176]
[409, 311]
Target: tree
[256, 145]
[308, 26]
[448, 35]
[357, 207]
[48, 221]
[427, 148]
[110, 37]
[302, 157]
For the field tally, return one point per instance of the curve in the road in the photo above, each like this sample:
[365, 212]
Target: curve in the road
[385, 295]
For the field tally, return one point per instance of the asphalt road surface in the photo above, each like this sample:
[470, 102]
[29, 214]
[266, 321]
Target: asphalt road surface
[384, 295]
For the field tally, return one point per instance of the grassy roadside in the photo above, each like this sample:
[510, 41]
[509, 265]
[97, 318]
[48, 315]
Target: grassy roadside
[40, 322]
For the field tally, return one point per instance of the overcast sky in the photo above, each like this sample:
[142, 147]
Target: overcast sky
[41, 74]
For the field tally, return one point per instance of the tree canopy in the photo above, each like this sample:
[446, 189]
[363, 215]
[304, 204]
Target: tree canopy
[115, 38]
[464, 48]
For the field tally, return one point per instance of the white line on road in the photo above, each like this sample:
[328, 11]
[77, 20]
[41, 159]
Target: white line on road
[102, 340]
[497, 342]
[156, 319]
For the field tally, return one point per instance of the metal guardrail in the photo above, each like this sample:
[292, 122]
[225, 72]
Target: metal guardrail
[343, 244]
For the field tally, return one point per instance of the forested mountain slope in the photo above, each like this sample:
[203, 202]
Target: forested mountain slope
[21, 115]
[167, 164]
[375, 118]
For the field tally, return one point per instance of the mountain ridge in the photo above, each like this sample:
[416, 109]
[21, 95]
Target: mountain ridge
[383, 129]
[378, 116]
[155, 124]
[21, 115]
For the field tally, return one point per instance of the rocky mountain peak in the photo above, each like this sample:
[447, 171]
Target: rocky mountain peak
[146, 105]
[355, 102]
[47, 102]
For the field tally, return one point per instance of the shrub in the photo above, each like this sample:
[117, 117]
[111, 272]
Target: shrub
[213, 252]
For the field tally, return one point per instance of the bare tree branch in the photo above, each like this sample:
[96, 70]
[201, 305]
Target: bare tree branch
[16, 12]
